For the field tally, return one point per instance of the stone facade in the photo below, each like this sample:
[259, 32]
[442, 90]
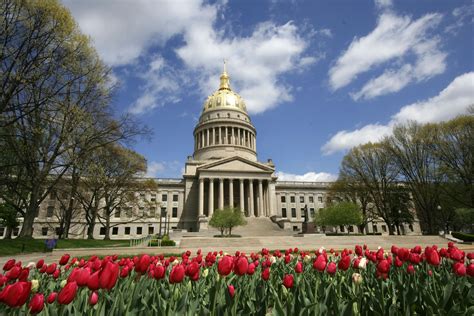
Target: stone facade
[223, 171]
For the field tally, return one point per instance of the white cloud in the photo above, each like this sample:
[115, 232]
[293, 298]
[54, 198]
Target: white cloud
[383, 4]
[347, 139]
[461, 16]
[164, 169]
[309, 176]
[395, 39]
[124, 31]
[450, 102]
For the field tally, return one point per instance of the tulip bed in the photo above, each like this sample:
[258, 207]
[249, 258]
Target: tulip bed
[351, 282]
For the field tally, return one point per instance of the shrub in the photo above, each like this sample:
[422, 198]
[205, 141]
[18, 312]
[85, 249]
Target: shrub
[167, 243]
[463, 236]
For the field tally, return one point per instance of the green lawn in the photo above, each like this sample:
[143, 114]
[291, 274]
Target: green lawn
[17, 246]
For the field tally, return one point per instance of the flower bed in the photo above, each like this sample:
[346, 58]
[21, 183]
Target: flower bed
[360, 281]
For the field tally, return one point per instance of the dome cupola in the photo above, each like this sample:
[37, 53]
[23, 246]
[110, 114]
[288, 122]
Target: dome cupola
[224, 128]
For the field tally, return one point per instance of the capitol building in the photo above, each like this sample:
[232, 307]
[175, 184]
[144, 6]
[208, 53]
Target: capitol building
[224, 171]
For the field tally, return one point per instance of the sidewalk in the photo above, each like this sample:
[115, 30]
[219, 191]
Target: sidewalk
[248, 245]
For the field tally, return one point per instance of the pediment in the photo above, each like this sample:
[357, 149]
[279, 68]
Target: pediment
[236, 164]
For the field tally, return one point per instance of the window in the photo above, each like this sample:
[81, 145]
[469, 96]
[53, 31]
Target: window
[117, 212]
[409, 226]
[351, 229]
[50, 211]
[283, 199]
[142, 194]
[114, 230]
[311, 199]
[2, 231]
[152, 212]
[127, 230]
[16, 230]
[153, 197]
[384, 228]
[175, 212]
[139, 230]
[44, 231]
[52, 195]
[374, 228]
[175, 198]
[320, 199]
[301, 199]
[102, 231]
[342, 228]
[311, 212]
[129, 212]
[283, 212]
[292, 199]
[295, 228]
[163, 212]
[142, 211]
[293, 212]
[151, 230]
[164, 197]
[58, 230]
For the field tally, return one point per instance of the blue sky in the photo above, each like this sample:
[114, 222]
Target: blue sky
[318, 76]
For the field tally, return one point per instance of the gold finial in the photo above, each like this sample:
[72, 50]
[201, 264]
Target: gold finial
[225, 84]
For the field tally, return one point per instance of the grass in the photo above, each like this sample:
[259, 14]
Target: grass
[27, 245]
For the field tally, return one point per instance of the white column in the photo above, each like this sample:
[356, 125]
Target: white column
[202, 139]
[231, 192]
[239, 142]
[210, 210]
[201, 197]
[207, 137]
[221, 193]
[226, 139]
[251, 198]
[260, 198]
[269, 202]
[232, 139]
[241, 191]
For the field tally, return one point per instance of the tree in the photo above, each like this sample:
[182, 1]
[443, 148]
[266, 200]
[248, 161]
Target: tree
[348, 189]
[8, 219]
[54, 106]
[226, 219]
[464, 219]
[339, 214]
[371, 166]
[410, 149]
[399, 203]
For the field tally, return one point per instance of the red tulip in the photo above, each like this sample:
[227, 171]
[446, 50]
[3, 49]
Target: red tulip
[224, 267]
[251, 269]
[51, 268]
[266, 274]
[36, 303]
[93, 281]
[177, 274]
[344, 263]
[13, 273]
[160, 272]
[52, 297]
[410, 269]
[93, 298]
[241, 266]
[142, 264]
[358, 250]
[108, 276]
[320, 263]
[192, 271]
[383, 266]
[470, 270]
[299, 267]
[64, 259]
[288, 281]
[56, 273]
[331, 268]
[231, 290]
[459, 269]
[457, 254]
[83, 276]
[67, 293]
[9, 264]
[39, 264]
[16, 294]
[124, 272]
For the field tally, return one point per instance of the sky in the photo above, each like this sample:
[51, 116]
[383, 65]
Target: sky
[318, 77]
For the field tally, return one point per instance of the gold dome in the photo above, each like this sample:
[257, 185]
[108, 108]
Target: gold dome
[224, 97]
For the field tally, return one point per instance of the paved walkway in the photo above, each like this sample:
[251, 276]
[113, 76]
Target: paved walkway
[249, 244]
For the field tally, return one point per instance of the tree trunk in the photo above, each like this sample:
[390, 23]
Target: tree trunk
[29, 217]
[107, 228]
[70, 208]
[230, 231]
[8, 233]
[398, 229]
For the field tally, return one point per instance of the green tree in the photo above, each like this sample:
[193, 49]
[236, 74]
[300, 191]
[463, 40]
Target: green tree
[8, 219]
[339, 214]
[226, 219]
